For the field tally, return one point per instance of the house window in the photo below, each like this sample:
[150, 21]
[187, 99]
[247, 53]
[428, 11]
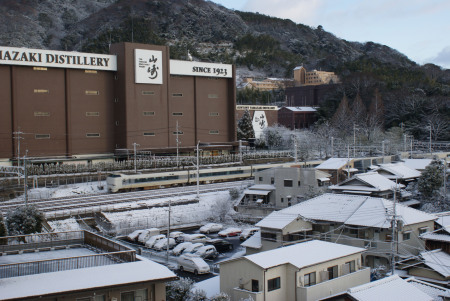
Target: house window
[269, 235]
[332, 272]
[272, 180]
[423, 230]
[92, 135]
[141, 294]
[39, 68]
[148, 93]
[42, 136]
[177, 94]
[349, 267]
[273, 284]
[407, 235]
[260, 179]
[214, 132]
[41, 114]
[213, 113]
[282, 200]
[91, 92]
[177, 114]
[287, 183]
[298, 183]
[148, 113]
[388, 238]
[310, 279]
[92, 114]
[149, 134]
[94, 298]
[255, 285]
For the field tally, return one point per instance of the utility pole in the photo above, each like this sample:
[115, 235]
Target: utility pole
[382, 146]
[168, 232]
[394, 229]
[348, 161]
[134, 147]
[404, 143]
[240, 151]
[295, 149]
[431, 153]
[198, 169]
[332, 147]
[354, 140]
[18, 149]
[177, 142]
[25, 184]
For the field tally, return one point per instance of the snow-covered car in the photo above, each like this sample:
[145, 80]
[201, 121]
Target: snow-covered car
[153, 240]
[208, 251]
[193, 248]
[196, 238]
[146, 234]
[246, 233]
[221, 245]
[180, 248]
[232, 231]
[133, 236]
[175, 235]
[194, 264]
[162, 244]
[211, 228]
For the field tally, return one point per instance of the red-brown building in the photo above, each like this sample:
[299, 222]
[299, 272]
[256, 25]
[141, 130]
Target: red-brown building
[297, 117]
[59, 103]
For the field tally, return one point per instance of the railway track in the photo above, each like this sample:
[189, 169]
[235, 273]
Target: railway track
[101, 202]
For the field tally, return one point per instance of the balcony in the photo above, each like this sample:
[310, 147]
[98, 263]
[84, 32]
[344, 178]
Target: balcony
[243, 294]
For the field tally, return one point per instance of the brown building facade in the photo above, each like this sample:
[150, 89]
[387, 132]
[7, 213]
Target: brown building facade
[58, 103]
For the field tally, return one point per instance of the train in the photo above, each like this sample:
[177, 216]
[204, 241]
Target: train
[126, 181]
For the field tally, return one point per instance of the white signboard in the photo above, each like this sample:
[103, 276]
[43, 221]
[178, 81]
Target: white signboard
[148, 67]
[200, 69]
[58, 59]
[259, 123]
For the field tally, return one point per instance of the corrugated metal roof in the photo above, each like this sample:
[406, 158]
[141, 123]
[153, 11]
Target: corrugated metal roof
[253, 241]
[434, 291]
[438, 261]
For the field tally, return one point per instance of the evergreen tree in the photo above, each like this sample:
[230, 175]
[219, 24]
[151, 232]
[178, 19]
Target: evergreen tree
[431, 179]
[24, 220]
[245, 127]
[2, 226]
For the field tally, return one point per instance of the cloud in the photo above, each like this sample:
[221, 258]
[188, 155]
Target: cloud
[442, 58]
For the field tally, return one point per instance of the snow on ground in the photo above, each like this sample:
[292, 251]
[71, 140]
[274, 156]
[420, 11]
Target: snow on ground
[46, 255]
[69, 224]
[206, 209]
[211, 286]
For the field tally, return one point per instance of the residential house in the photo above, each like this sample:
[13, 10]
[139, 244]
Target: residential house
[278, 188]
[370, 183]
[77, 265]
[417, 164]
[398, 172]
[340, 169]
[354, 220]
[440, 237]
[304, 271]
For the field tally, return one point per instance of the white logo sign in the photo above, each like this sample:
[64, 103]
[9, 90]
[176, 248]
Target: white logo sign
[259, 123]
[148, 67]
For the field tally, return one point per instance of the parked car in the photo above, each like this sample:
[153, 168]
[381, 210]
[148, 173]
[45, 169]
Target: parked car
[211, 228]
[146, 234]
[162, 244]
[175, 235]
[192, 263]
[246, 233]
[133, 236]
[193, 248]
[208, 251]
[221, 245]
[153, 240]
[180, 248]
[194, 238]
[228, 232]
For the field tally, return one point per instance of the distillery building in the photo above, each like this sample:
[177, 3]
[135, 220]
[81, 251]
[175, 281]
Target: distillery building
[65, 104]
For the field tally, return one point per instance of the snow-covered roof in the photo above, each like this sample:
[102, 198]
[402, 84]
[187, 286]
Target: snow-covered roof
[348, 209]
[82, 279]
[417, 164]
[262, 187]
[312, 252]
[257, 192]
[436, 237]
[369, 181]
[302, 109]
[437, 260]
[253, 241]
[399, 171]
[389, 288]
[432, 290]
[334, 163]
[443, 220]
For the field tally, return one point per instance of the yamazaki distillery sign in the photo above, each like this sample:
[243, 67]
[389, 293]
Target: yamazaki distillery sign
[58, 59]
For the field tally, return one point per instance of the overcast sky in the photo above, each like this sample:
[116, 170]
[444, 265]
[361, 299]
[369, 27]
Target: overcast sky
[419, 29]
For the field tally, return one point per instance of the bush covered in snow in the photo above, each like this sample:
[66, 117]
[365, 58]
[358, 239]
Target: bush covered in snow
[24, 220]
[431, 179]
[234, 193]
[2, 226]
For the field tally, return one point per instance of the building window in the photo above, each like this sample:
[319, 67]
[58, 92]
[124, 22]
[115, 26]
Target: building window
[310, 279]
[92, 135]
[214, 132]
[90, 71]
[116, 99]
[255, 285]
[213, 113]
[388, 238]
[282, 200]
[298, 183]
[287, 183]
[148, 93]
[42, 136]
[349, 267]
[94, 298]
[91, 92]
[177, 113]
[269, 236]
[41, 114]
[41, 91]
[213, 96]
[177, 94]
[178, 133]
[407, 235]
[141, 294]
[332, 272]
[260, 179]
[423, 230]
[149, 134]
[92, 114]
[273, 284]
[148, 113]
[39, 68]
[272, 180]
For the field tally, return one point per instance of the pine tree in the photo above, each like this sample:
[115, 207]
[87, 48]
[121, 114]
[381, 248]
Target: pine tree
[431, 179]
[245, 127]
[24, 220]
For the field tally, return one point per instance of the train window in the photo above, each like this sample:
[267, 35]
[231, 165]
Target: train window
[114, 176]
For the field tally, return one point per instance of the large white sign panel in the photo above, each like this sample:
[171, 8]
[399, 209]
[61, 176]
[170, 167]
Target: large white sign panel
[200, 69]
[58, 59]
[259, 123]
[148, 67]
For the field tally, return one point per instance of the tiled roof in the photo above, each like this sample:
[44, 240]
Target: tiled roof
[438, 261]
[399, 170]
[372, 180]
[418, 164]
[334, 163]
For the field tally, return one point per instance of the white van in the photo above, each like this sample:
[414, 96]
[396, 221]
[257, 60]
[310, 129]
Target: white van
[192, 263]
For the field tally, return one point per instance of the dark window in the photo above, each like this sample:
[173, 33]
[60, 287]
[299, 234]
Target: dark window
[268, 235]
[406, 235]
[310, 279]
[332, 272]
[255, 285]
[273, 284]
[272, 180]
[287, 183]
[298, 183]
[260, 179]
[282, 200]
[350, 266]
